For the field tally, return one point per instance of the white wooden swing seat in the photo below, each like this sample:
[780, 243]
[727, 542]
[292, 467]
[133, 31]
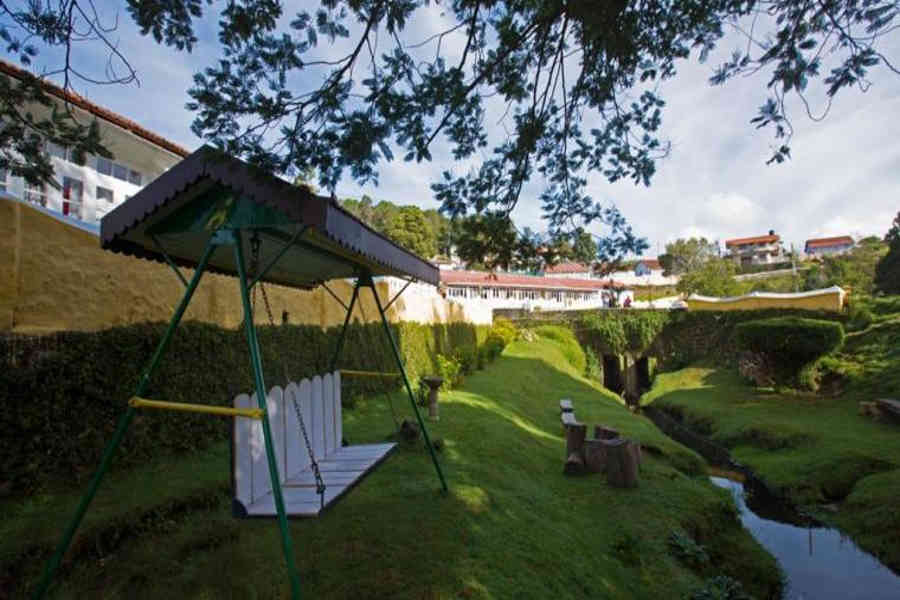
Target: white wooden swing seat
[341, 467]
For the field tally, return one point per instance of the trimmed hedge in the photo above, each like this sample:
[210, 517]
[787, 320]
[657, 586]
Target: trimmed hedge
[621, 332]
[63, 393]
[791, 342]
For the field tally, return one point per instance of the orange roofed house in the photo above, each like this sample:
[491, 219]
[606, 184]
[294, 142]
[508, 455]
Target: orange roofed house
[758, 250]
[827, 246]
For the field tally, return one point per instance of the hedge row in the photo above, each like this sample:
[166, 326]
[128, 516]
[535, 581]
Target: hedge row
[675, 338]
[791, 342]
[63, 393]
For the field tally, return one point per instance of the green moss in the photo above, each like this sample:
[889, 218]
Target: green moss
[871, 511]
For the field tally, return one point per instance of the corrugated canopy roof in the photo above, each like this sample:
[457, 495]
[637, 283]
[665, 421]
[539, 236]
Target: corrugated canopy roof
[209, 190]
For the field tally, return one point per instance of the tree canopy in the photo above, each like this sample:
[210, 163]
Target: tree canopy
[714, 277]
[684, 255]
[576, 82]
[887, 271]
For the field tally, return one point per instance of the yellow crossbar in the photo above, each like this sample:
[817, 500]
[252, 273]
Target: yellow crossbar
[251, 413]
[367, 373]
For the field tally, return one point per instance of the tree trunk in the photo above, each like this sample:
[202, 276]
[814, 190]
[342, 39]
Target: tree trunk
[595, 455]
[575, 435]
[602, 432]
[622, 463]
[574, 464]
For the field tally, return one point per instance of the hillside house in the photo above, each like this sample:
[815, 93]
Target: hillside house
[758, 250]
[819, 247]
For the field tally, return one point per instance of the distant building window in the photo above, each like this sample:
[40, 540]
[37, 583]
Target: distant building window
[105, 194]
[120, 172]
[73, 196]
[134, 177]
[58, 151]
[104, 166]
[35, 193]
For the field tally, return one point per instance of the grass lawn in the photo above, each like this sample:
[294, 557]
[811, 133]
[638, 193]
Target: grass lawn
[512, 525]
[816, 449]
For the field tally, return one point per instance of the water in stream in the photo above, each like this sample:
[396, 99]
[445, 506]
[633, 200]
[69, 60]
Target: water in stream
[820, 563]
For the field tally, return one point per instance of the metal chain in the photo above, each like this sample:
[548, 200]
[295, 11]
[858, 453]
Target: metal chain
[320, 483]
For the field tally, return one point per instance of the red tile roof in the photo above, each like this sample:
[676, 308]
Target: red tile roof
[98, 111]
[652, 263]
[830, 241]
[760, 239]
[481, 278]
[569, 267]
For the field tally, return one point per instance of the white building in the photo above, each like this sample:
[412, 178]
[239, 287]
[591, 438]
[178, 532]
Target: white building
[758, 250]
[828, 246]
[570, 270]
[504, 290]
[644, 273]
[87, 192]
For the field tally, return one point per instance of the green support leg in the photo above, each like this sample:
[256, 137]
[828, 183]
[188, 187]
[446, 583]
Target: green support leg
[261, 395]
[121, 428]
[340, 344]
[412, 399]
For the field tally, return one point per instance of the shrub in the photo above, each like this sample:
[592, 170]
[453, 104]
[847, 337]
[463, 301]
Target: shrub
[450, 370]
[688, 550]
[493, 346]
[505, 329]
[721, 587]
[789, 342]
[467, 357]
[593, 369]
[860, 318]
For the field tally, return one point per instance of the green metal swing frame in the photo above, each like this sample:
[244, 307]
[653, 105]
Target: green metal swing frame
[225, 225]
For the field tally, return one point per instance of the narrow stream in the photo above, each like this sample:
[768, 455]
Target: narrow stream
[820, 563]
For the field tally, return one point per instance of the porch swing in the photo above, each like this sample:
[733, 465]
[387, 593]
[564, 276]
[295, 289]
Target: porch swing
[305, 419]
[288, 458]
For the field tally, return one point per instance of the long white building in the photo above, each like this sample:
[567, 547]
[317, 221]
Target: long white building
[87, 192]
[505, 290]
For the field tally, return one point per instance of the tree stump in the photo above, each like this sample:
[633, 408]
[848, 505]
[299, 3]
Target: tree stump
[574, 464]
[409, 431]
[622, 463]
[595, 455]
[575, 435]
[602, 432]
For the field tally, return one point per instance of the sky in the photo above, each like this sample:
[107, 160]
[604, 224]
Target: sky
[843, 178]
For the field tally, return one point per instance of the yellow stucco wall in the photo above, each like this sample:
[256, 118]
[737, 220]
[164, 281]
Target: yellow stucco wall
[56, 277]
[823, 302]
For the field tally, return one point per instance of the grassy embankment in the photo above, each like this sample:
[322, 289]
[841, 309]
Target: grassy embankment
[511, 526]
[815, 448]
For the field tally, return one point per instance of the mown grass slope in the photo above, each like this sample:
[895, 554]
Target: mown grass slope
[814, 448]
[511, 526]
